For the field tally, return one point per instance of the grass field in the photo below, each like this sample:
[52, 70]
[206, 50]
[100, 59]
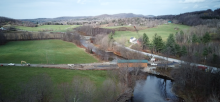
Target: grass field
[55, 28]
[43, 51]
[162, 30]
[11, 76]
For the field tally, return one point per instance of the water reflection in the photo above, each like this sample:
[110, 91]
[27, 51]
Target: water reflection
[154, 89]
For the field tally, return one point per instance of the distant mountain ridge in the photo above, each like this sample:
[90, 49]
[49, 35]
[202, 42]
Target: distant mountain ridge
[120, 15]
[123, 15]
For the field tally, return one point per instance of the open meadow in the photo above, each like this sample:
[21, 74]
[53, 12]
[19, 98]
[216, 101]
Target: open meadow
[161, 30]
[11, 76]
[52, 28]
[44, 52]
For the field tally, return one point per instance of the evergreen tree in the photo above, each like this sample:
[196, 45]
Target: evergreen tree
[171, 43]
[205, 52]
[158, 42]
[194, 38]
[177, 50]
[146, 40]
[183, 51]
[206, 38]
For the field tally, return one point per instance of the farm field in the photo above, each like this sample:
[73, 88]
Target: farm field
[12, 76]
[54, 28]
[44, 52]
[161, 30]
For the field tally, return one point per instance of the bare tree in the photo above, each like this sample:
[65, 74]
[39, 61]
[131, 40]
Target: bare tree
[38, 89]
[80, 90]
[2, 38]
[109, 91]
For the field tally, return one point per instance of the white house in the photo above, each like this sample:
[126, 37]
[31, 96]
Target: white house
[152, 59]
[2, 28]
[133, 40]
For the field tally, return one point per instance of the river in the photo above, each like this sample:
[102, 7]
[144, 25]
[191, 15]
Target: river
[110, 55]
[154, 89]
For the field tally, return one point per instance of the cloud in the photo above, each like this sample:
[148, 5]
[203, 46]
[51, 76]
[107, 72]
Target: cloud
[191, 1]
[195, 6]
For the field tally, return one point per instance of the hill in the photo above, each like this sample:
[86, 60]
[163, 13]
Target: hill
[60, 19]
[122, 15]
[10, 21]
[204, 17]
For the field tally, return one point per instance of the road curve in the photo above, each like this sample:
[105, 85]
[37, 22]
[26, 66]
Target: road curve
[169, 59]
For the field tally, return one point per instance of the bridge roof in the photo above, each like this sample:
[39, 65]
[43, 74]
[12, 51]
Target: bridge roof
[132, 61]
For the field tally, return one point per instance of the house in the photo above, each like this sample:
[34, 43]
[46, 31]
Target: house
[132, 63]
[152, 59]
[133, 40]
[2, 28]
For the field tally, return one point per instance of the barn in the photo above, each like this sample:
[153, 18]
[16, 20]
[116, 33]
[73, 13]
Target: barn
[132, 63]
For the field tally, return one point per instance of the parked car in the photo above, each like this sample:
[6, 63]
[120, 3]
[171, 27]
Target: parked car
[153, 64]
[11, 64]
[70, 65]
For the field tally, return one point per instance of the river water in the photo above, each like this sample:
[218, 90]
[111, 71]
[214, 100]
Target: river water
[154, 89]
[107, 54]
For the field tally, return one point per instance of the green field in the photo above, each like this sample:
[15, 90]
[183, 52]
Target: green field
[10, 76]
[162, 30]
[43, 52]
[54, 28]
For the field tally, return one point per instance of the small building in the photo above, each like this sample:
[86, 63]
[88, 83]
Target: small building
[169, 21]
[133, 40]
[2, 28]
[152, 59]
[132, 63]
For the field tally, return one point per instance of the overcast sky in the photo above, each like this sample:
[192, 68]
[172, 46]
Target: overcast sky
[29, 9]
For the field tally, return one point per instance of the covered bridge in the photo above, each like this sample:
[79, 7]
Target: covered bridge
[132, 63]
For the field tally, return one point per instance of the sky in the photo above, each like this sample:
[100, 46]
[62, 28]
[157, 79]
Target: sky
[30, 9]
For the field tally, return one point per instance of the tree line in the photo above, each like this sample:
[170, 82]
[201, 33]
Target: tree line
[3, 39]
[17, 36]
[196, 85]
[90, 31]
[21, 36]
[72, 36]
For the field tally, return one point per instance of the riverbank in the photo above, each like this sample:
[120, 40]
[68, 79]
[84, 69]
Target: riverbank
[167, 74]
